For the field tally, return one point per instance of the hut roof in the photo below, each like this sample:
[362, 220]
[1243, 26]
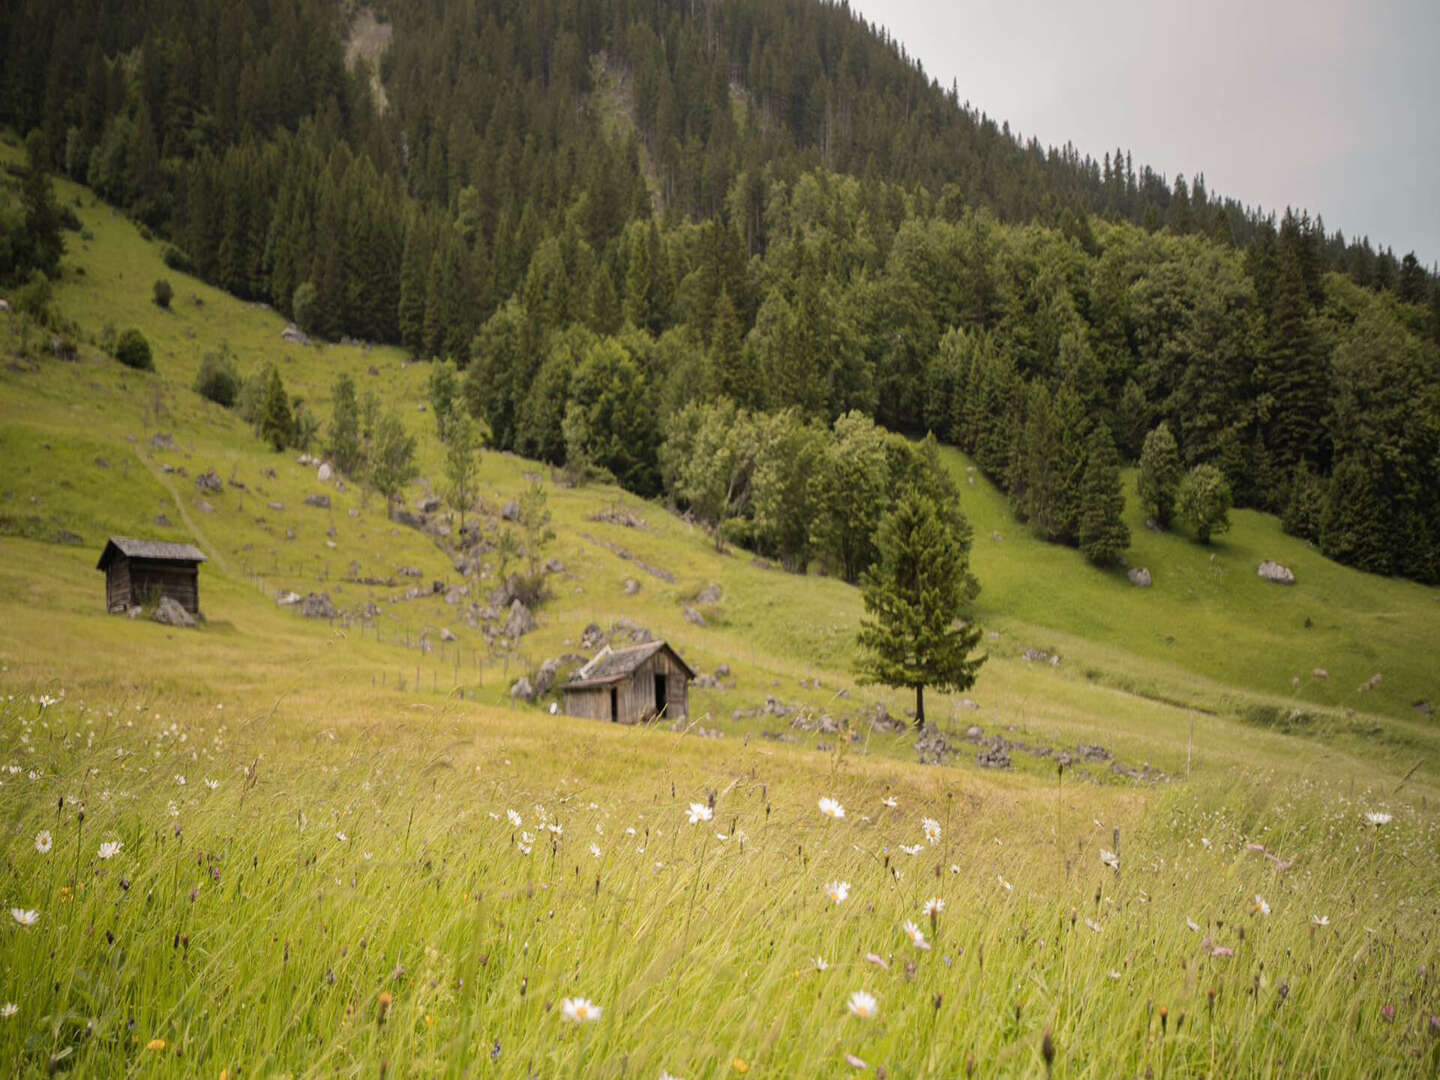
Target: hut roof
[148, 549]
[613, 665]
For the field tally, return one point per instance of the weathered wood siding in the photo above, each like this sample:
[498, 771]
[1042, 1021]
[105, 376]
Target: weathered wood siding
[635, 694]
[139, 581]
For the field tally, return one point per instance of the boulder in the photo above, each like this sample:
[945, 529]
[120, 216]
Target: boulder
[554, 566]
[593, 637]
[1276, 574]
[170, 613]
[709, 595]
[428, 505]
[321, 501]
[545, 677]
[520, 621]
[278, 507]
[932, 747]
[411, 571]
[723, 671]
[446, 634]
[317, 606]
[692, 616]
[510, 511]
[204, 507]
[522, 689]
[293, 335]
[455, 594]
[631, 586]
[1139, 577]
[162, 441]
[285, 599]
[1320, 673]
[967, 703]
[324, 473]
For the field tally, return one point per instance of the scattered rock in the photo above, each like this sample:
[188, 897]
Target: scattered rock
[1320, 673]
[238, 485]
[709, 595]
[1422, 707]
[520, 621]
[411, 571]
[692, 616]
[209, 481]
[967, 703]
[446, 634]
[289, 534]
[522, 689]
[1092, 754]
[170, 613]
[428, 505]
[1140, 577]
[317, 606]
[881, 721]
[162, 441]
[1153, 525]
[65, 536]
[330, 532]
[995, 756]
[631, 586]
[324, 473]
[1370, 683]
[723, 671]
[1039, 656]
[1276, 574]
[162, 521]
[593, 637]
[101, 463]
[286, 599]
[931, 747]
[554, 566]
[322, 501]
[545, 676]
[204, 507]
[510, 511]
[306, 460]
[637, 634]
[293, 335]
[455, 594]
[618, 515]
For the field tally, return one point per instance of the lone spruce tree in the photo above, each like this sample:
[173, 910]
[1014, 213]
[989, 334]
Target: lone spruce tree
[1103, 534]
[914, 596]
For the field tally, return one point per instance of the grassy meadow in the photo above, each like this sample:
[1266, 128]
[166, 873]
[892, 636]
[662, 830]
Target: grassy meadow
[276, 846]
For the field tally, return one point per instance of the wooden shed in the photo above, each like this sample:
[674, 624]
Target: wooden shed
[627, 686]
[143, 571]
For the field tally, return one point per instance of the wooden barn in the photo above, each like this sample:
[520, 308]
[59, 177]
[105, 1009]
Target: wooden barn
[627, 686]
[141, 571]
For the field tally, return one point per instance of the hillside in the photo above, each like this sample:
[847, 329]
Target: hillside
[313, 823]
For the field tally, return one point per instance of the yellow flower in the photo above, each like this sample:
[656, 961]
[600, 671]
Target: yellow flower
[429, 1020]
[155, 1044]
[740, 1066]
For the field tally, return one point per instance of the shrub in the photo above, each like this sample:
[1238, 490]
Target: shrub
[304, 306]
[218, 380]
[177, 259]
[145, 233]
[34, 296]
[163, 293]
[133, 351]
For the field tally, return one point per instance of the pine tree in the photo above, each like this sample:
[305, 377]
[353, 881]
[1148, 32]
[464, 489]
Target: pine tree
[277, 423]
[414, 267]
[343, 446]
[914, 596]
[1160, 474]
[730, 375]
[1102, 533]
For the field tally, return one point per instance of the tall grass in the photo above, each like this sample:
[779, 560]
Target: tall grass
[337, 904]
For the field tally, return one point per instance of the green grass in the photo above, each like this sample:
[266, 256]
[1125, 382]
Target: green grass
[252, 940]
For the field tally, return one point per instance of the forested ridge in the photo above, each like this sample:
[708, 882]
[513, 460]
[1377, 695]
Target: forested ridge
[635, 222]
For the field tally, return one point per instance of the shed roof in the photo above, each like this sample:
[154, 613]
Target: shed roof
[613, 665]
[148, 549]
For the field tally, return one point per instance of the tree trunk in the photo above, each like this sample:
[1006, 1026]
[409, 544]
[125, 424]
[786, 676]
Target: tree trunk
[919, 708]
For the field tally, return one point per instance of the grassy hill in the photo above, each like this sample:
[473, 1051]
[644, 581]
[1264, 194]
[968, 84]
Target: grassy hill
[351, 892]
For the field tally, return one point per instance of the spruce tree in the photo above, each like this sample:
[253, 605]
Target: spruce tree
[914, 597]
[343, 446]
[414, 267]
[1103, 534]
[1160, 473]
[277, 424]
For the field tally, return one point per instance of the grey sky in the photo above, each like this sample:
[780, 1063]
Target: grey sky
[1330, 105]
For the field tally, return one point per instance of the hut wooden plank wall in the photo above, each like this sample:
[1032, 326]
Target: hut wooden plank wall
[137, 571]
[627, 686]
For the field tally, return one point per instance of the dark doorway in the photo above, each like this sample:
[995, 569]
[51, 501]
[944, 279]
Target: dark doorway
[660, 699]
[614, 707]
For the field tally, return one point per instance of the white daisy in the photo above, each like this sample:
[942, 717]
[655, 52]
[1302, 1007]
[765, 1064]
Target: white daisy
[1110, 859]
[1093, 925]
[179, 779]
[931, 828]
[915, 934]
[595, 850]
[23, 917]
[43, 843]
[890, 801]
[110, 849]
[1193, 925]
[579, 1010]
[838, 891]
[341, 837]
[911, 849]
[831, 807]
[515, 820]
[9, 1009]
[1260, 905]
[556, 828]
[211, 784]
[863, 1005]
[1377, 817]
[933, 906]
[1319, 920]
[1008, 886]
[700, 812]
[820, 964]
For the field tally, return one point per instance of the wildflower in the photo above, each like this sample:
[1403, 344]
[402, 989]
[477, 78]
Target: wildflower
[911, 849]
[579, 1010]
[1115, 975]
[863, 1005]
[514, 818]
[1319, 920]
[525, 849]
[595, 850]
[838, 891]
[155, 1045]
[1093, 925]
[368, 856]
[1110, 859]
[1222, 950]
[1008, 886]
[933, 906]
[110, 849]
[954, 868]
[700, 812]
[666, 1076]
[831, 808]
[878, 961]
[179, 779]
[555, 828]
[1193, 925]
[890, 801]
[931, 828]
[820, 964]
[23, 917]
[341, 837]
[43, 843]
[740, 1066]
[855, 1062]
[9, 1009]
[211, 784]
[1205, 842]
[916, 935]
[1377, 818]
[1387, 1013]
[1260, 905]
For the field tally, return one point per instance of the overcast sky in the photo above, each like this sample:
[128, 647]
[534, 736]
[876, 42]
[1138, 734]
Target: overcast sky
[1330, 105]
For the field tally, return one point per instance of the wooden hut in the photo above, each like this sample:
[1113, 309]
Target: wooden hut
[627, 686]
[143, 571]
